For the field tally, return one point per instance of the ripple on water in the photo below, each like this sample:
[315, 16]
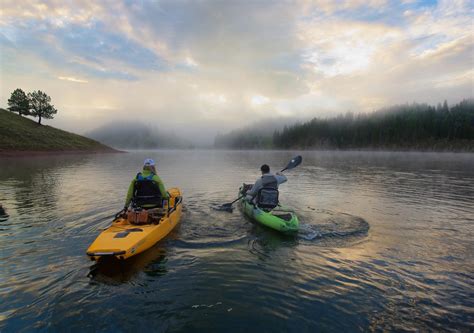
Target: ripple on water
[329, 228]
[219, 270]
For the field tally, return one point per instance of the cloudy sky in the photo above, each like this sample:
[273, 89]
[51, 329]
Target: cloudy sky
[207, 66]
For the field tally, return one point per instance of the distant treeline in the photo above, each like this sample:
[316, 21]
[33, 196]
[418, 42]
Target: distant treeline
[244, 139]
[409, 126]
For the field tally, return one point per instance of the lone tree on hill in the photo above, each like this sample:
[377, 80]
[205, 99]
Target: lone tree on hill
[18, 102]
[40, 105]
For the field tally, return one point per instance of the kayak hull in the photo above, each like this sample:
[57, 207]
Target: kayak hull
[279, 219]
[123, 240]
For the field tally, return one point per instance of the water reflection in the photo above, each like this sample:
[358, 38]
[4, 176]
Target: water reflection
[112, 270]
[264, 241]
[412, 270]
[34, 184]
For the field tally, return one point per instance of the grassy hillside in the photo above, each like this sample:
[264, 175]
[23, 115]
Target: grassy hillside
[21, 134]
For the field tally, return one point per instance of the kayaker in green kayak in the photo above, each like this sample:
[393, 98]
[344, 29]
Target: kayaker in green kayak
[146, 189]
[264, 193]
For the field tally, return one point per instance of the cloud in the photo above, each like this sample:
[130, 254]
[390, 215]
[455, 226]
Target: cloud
[258, 100]
[72, 79]
[340, 47]
[213, 66]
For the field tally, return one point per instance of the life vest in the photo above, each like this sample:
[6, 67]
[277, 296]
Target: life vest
[267, 196]
[146, 192]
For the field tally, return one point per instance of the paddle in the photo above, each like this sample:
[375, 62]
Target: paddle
[122, 213]
[291, 164]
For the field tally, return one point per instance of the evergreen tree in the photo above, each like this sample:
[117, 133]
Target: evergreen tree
[18, 102]
[40, 105]
[445, 106]
[408, 126]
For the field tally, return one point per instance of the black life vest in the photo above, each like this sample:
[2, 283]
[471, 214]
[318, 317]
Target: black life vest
[267, 196]
[146, 192]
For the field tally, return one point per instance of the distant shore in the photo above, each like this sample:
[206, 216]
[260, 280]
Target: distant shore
[22, 153]
[461, 147]
[458, 146]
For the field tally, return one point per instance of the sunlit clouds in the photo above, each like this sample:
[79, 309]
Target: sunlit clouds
[72, 79]
[259, 100]
[333, 51]
[219, 65]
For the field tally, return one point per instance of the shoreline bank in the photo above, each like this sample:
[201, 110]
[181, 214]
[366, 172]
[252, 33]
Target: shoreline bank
[29, 153]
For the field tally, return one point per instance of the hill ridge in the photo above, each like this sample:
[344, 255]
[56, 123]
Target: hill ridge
[20, 135]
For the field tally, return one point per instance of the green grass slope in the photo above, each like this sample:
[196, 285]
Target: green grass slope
[22, 134]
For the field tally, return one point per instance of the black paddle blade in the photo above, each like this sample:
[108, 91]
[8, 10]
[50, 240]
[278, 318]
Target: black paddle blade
[225, 207]
[293, 163]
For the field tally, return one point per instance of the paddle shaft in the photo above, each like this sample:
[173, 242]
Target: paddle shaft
[230, 203]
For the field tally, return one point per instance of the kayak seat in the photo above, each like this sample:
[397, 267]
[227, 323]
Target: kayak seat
[146, 194]
[267, 198]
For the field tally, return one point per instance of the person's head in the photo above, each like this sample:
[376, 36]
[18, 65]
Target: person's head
[149, 165]
[265, 169]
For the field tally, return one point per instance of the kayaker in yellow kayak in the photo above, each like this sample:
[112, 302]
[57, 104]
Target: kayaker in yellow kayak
[147, 189]
[155, 210]
[264, 193]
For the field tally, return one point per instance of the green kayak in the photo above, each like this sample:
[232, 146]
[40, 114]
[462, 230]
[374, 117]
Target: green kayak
[279, 218]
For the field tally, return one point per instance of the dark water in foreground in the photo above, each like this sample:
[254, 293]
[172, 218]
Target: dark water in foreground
[386, 244]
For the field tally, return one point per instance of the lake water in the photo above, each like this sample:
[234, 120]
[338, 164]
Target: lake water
[386, 243]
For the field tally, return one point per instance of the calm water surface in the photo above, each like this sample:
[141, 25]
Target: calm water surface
[386, 243]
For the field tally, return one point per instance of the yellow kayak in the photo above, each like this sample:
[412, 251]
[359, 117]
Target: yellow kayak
[124, 239]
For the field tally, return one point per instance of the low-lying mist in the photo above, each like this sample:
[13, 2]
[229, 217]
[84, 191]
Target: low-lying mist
[140, 135]
[137, 135]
